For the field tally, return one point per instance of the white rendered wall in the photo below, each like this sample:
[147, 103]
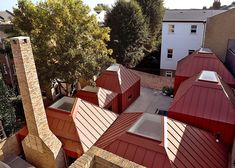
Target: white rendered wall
[180, 41]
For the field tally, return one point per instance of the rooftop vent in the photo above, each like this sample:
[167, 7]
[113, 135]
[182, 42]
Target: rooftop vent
[205, 51]
[208, 76]
[149, 126]
[64, 104]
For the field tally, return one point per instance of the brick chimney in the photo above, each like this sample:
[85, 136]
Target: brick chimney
[41, 146]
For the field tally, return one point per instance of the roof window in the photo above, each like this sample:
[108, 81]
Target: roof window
[208, 76]
[149, 126]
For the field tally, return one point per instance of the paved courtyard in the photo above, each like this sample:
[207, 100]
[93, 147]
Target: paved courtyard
[149, 101]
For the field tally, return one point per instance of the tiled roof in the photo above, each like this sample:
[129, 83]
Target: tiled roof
[209, 100]
[6, 15]
[196, 62]
[117, 78]
[184, 146]
[189, 15]
[97, 94]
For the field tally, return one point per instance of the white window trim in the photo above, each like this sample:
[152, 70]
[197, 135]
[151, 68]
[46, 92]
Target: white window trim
[171, 27]
[169, 74]
[172, 54]
[193, 29]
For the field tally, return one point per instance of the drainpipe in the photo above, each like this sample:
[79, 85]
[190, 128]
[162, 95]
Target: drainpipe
[204, 34]
[8, 65]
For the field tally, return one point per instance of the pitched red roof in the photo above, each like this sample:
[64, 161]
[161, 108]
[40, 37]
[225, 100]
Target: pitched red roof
[198, 61]
[117, 78]
[188, 146]
[140, 150]
[183, 146]
[82, 127]
[204, 99]
[100, 96]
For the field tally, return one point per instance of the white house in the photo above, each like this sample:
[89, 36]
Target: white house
[182, 33]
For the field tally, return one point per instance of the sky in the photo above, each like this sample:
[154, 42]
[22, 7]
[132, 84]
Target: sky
[171, 4]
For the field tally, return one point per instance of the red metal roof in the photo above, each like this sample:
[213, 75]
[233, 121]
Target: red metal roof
[184, 146]
[101, 96]
[188, 146]
[82, 127]
[117, 78]
[203, 99]
[196, 62]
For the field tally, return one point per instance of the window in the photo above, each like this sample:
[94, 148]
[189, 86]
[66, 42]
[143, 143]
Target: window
[169, 53]
[190, 51]
[168, 74]
[4, 66]
[193, 29]
[171, 28]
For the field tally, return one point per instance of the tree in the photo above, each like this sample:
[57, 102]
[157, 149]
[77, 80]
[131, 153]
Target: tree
[101, 6]
[153, 11]
[7, 112]
[128, 32]
[216, 4]
[67, 42]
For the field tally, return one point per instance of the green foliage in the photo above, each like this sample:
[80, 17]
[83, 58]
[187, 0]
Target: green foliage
[68, 44]
[168, 91]
[128, 32]
[153, 12]
[101, 6]
[7, 112]
[216, 5]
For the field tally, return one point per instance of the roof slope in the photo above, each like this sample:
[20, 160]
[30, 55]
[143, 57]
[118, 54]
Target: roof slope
[91, 122]
[196, 62]
[85, 124]
[184, 146]
[117, 78]
[100, 95]
[140, 150]
[188, 146]
[189, 15]
[6, 15]
[209, 100]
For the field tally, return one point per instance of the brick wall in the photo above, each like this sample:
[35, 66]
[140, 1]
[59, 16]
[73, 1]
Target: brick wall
[219, 29]
[154, 81]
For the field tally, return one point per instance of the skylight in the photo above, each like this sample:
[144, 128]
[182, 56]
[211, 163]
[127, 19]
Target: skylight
[114, 67]
[64, 104]
[208, 76]
[149, 126]
[91, 89]
[205, 51]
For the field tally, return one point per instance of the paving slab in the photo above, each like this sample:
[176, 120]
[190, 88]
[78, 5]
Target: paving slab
[149, 101]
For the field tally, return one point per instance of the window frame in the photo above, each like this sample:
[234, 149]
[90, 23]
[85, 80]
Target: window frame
[193, 30]
[171, 28]
[170, 54]
[190, 51]
[168, 74]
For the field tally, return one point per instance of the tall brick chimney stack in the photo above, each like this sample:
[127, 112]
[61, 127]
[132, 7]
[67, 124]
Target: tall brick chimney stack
[41, 146]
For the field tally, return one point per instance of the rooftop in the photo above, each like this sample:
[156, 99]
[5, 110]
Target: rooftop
[183, 145]
[117, 78]
[189, 15]
[206, 60]
[205, 95]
